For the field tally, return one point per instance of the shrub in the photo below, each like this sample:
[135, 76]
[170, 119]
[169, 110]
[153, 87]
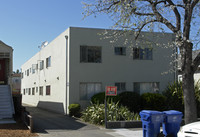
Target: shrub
[95, 113]
[74, 110]
[131, 100]
[99, 98]
[174, 96]
[153, 101]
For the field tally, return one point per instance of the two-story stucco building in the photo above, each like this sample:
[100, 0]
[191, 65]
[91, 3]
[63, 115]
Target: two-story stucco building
[80, 63]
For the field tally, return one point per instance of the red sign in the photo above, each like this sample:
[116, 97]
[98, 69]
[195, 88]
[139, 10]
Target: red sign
[111, 91]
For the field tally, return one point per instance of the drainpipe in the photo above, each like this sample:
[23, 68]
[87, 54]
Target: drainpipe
[67, 77]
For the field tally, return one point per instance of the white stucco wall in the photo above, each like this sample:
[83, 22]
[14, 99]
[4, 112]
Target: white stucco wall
[116, 68]
[55, 76]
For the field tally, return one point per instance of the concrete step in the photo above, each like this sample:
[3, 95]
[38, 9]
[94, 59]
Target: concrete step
[7, 121]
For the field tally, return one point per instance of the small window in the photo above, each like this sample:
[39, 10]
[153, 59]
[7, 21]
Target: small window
[120, 50]
[29, 91]
[22, 75]
[42, 65]
[48, 62]
[30, 70]
[27, 72]
[41, 91]
[36, 89]
[90, 54]
[24, 91]
[48, 90]
[34, 68]
[121, 86]
[33, 91]
[142, 53]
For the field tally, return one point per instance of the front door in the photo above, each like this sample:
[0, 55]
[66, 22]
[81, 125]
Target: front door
[2, 72]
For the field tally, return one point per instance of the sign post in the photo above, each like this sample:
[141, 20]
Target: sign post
[110, 91]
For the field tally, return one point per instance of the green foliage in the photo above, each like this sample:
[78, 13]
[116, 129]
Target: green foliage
[95, 113]
[153, 101]
[174, 95]
[74, 110]
[100, 98]
[131, 100]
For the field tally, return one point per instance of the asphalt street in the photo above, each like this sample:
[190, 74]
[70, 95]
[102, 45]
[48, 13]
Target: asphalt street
[50, 124]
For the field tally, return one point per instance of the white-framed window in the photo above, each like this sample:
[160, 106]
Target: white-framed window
[143, 53]
[48, 62]
[87, 90]
[120, 50]
[90, 54]
[27, 72]
[144, 87]
[41, 91]
[121, 86]
[48, 90]
[42, 65]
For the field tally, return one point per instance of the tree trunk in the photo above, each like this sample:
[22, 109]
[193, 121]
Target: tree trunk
[188, 85]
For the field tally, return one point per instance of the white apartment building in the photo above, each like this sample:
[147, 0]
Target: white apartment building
[80, 63]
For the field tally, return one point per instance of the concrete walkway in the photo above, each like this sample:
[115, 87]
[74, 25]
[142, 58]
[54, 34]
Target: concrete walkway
[51, 124]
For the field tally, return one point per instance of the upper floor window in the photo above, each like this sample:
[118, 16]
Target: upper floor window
[120, 50]
[41, 91]
[90, 54]
[42, 65]
[142, 53]
[48, 62]
[27, 72]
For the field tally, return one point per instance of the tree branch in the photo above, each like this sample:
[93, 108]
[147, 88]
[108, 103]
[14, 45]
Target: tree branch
[177, 14]
[143, 25]
[196, 62]
[194, 3]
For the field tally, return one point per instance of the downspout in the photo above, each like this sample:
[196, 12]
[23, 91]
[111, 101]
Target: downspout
[67, 77]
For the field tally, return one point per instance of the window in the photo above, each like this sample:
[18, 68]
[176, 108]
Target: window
[48, 90]
[33, 91]
[87, 90]
[48, 62]
[29, 91]
[41, 91]
[24, 91]
[142, 54]
[36, 89]
[42, 65]
[90, 54]
[27, 72]
[120, 50]
[30, 70]
[121, 86]
[144, 87]
[34, 67]
[22, 75]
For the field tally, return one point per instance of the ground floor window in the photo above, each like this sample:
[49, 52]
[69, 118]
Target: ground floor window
[121, 86]
[29, 91]
[48, 90]
[87, 90]
[33, 91]
[144, 87]
[41, 91]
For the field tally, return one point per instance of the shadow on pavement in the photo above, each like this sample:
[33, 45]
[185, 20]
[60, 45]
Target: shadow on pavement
[44, 120]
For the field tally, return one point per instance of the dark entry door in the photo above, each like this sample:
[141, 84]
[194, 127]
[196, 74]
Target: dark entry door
[2, 71]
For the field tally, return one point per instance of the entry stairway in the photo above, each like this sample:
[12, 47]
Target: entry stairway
[6, 102]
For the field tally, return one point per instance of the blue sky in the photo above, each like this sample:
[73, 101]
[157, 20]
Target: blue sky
[25, 24]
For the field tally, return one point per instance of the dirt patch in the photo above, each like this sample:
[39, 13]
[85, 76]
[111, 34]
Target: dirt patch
[15, 130]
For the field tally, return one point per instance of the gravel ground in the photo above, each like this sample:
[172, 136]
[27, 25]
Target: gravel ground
[15, 130]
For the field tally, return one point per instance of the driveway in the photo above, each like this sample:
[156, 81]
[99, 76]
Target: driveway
[52, 124]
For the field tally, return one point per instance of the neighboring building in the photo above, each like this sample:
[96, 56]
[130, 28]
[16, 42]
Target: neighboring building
[6, 69]
[196, 74]
[80, 63]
